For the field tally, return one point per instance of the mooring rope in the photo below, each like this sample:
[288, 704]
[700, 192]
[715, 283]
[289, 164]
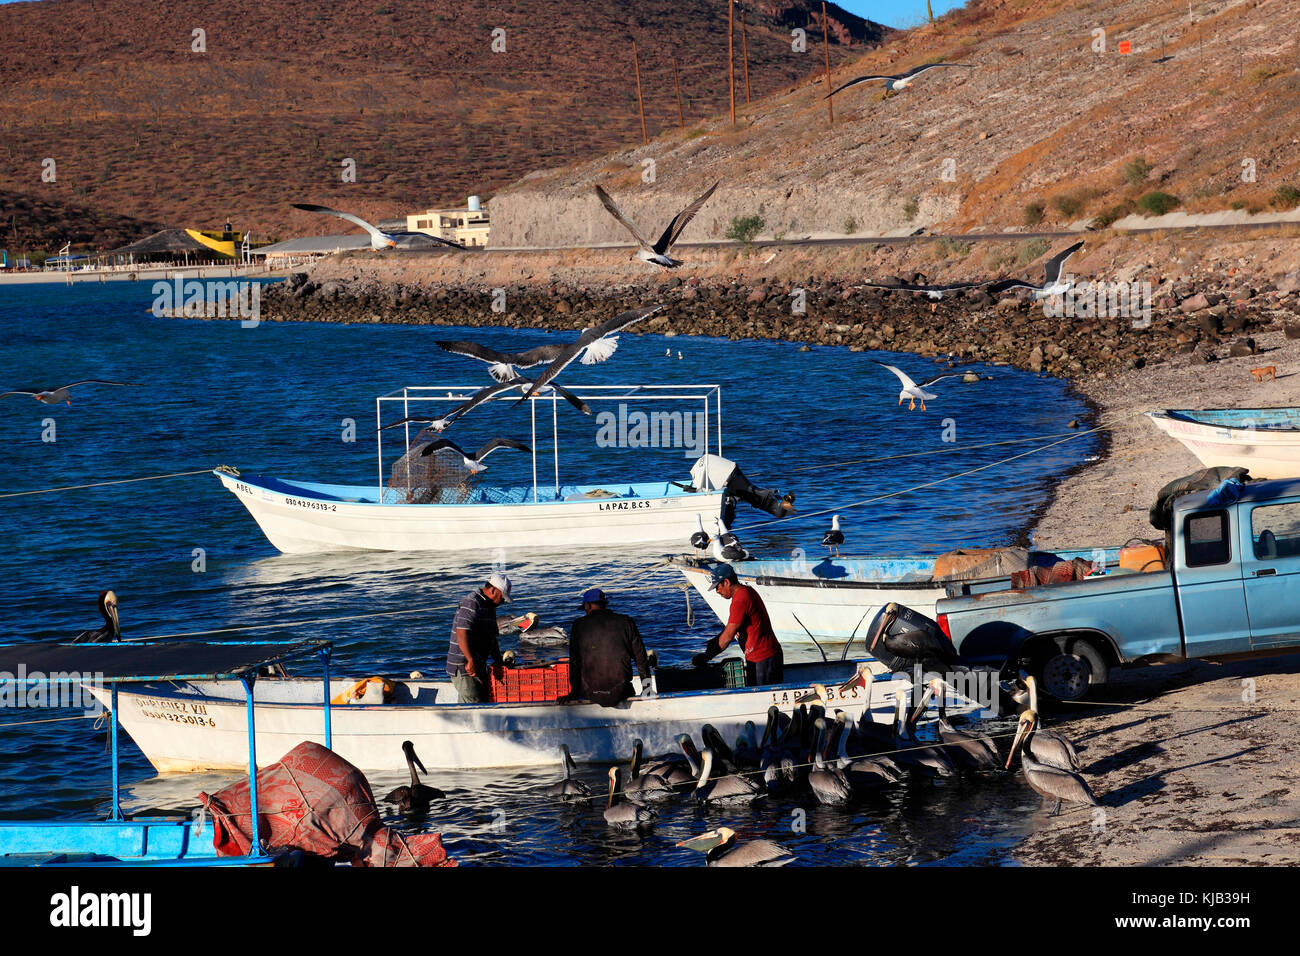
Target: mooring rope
[940, 451]
[100, 484]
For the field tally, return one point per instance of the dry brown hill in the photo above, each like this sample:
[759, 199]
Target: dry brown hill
[142, 126]
[1046, 130]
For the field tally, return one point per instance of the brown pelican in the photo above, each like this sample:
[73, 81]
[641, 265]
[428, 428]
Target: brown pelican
[727, 790]
[968, 750]
[832, 539]
[779, 758]
[929, 649]
[827, 782]
[596, 340]
[1048, 746]
[474, 462]
[569, 788]
[895, 82]
[112, 629]
[721, 849]
[866, 772]
[1063, 786]
[625, 815]
[658, 252]
[747, 754]
[929, 761]
[725, 756]
[52, 396]
[643, 785]
[530, 632]
[416, 797]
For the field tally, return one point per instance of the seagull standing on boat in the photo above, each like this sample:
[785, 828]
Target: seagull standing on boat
[598, 342]
[726, 546]
[625, 815]
[416, 797]
[835, 537]
[894, 83]
[658, 252]
[112, 629]
[570, 788]
[1053, 283]
[721, 849]
[1063, 786]
[503, 366]
[912, 391]
[474, 462]
[700, 539]
[52, 396]
[378, 240]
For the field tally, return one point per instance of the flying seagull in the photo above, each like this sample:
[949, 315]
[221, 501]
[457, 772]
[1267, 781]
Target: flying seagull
[1052, 285]
[593, 341]
[895, 83]
[502, 365]
[482, 395]
[913, 391]
[474, 462]
[378, 240]
[657, 253]
[52, 396]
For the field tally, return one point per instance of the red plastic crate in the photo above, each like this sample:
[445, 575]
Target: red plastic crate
[533, 682]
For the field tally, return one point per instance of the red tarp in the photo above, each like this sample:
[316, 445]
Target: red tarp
[315, 801]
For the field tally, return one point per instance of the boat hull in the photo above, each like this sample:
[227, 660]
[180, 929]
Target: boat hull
[203, 726]
[1268, 452]
[298, 518]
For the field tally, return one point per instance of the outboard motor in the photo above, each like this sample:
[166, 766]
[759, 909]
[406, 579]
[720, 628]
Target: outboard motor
[713, 471]
[935, 651]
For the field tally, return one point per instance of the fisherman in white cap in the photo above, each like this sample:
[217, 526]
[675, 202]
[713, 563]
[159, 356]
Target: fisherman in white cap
[474, 639]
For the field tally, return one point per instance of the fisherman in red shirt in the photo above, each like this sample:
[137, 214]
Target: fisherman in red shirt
[748, 621]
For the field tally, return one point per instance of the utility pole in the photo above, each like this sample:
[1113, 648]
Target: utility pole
[681, 116]
[640, 103]
[744, 52]
[731, 56]
[826, 47]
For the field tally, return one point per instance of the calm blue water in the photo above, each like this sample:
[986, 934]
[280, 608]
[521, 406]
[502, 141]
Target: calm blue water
[274, 399]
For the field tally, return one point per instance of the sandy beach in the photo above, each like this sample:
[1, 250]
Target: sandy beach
[1190, 769]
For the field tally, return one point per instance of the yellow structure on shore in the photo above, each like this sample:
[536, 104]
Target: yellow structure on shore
[468, 226]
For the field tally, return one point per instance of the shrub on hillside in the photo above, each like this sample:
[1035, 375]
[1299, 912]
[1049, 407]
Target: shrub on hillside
[1136, 171]
[1286, 197]
[1033, 213]
[1157, 203]
[745, 228]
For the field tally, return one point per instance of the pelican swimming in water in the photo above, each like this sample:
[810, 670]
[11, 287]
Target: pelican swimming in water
[642, 784]
[656, 253]
[968, 750]
[721, 849]
[52, 396]
[912, 754]
[112, 629]
[416, 797]
[779, 760]
[570, 788]
[868, 772]
[727, 790]
[1063, 786]
[623, 814]
[827, 781]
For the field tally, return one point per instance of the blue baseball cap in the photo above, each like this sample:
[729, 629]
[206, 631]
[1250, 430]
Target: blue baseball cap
[720, 573]
[594, 596]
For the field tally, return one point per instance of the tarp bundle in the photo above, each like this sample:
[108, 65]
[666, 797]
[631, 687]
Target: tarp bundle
[315, 801]
[973, 564]
[1162, 512]
[1058, 573]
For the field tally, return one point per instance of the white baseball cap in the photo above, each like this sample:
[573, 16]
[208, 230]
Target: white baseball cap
[501, 583]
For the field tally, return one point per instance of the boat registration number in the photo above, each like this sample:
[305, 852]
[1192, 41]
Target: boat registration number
[175, 711]
[313, 505]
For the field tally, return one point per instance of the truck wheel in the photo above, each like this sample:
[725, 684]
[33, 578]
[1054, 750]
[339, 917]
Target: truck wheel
[1070, 674]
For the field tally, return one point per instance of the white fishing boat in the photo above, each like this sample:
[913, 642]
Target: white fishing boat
[832, 601]
[460, 513]
[204, 725]
[1264, 440]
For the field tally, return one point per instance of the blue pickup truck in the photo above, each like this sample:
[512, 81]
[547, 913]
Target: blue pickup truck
[1232, 589]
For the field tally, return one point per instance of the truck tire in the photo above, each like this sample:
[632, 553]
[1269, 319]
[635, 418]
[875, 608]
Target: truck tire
[1067, 668]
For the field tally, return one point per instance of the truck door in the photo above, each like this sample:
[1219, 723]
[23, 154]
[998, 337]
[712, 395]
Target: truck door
[1211, 593]
[1270, 562]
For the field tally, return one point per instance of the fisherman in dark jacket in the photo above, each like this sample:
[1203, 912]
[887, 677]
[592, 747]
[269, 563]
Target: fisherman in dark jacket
[603, 646]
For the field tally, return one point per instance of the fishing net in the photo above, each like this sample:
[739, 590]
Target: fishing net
[437, 478]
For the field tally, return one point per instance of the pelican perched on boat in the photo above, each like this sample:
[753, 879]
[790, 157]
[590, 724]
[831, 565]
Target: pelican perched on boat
[570, 788]
[1063, 786]
[623, 814]
[112, 628]
[721, 849]
[827, 781]
[967, 749]
[416, 797]
[1049, 746]
[726, 790]
[643, 785]
[530, 632]
[656, 253]
[700, 539]
[726, 546]
[927, 648]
